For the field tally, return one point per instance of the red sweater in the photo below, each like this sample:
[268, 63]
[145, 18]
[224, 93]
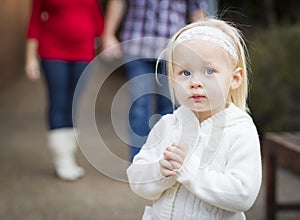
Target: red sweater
[66, 29]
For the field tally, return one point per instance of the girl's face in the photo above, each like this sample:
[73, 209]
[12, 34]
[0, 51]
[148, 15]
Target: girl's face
[203, 76]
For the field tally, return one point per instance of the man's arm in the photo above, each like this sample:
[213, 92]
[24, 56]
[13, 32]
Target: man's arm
[198, 15]
[114, 13]
[197, 9]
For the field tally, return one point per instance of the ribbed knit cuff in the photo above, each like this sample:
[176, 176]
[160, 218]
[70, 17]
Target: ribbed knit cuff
[188, 169]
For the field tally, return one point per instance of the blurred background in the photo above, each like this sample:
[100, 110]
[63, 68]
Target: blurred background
[271, 28]
[27, 188]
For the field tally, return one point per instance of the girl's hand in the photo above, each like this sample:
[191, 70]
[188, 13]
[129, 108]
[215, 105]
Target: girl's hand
[166, 168]
[175, 154]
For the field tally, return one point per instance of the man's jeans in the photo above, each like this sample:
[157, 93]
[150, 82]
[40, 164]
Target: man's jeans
[145, 101]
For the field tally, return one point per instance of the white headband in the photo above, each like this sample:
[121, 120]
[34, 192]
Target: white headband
[211, 34]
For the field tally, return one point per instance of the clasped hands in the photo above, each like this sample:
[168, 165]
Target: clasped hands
[172, 160]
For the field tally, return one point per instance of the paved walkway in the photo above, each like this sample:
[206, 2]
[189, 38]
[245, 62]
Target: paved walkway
[28, 188]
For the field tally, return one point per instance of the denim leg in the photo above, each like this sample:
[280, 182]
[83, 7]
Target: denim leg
[76, 70]
[142, 108]
[164, 103]
[61, 81]
[56, 75]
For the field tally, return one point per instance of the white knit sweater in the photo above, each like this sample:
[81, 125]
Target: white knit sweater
[219, 179]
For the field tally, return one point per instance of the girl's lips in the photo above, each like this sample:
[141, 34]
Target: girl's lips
[197, 97]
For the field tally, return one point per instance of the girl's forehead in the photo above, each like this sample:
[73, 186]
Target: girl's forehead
[199, 51]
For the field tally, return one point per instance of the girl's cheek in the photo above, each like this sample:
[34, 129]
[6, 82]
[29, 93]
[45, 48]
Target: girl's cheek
[217, 97]
[180, 89]
[180, 82]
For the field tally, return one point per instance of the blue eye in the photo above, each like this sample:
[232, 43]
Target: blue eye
[185, 73]
[209, 71]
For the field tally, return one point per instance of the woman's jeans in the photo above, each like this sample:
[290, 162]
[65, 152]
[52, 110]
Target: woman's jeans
[61, 78]
[145, 100]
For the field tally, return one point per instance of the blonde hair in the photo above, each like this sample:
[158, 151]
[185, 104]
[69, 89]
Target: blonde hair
[237, 96]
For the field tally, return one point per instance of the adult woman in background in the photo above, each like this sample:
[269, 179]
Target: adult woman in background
[61, 37]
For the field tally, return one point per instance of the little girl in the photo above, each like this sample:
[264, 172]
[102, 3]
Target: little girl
[203, 161]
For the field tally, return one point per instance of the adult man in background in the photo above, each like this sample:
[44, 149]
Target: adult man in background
[143, 24]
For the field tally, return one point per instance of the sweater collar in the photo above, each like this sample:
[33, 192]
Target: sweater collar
[210, 132]
[224, 118]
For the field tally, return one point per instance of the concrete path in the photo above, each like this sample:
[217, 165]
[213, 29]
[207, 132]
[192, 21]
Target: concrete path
[29, 189]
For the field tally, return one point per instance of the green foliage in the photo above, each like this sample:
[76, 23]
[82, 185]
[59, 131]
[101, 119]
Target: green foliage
[275, 87]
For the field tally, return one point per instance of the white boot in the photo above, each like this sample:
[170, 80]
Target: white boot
[63, 145]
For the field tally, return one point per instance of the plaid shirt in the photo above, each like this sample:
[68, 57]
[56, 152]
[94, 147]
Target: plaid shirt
[161, 19]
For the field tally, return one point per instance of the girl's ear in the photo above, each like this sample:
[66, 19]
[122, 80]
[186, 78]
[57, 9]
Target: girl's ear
[237, 78]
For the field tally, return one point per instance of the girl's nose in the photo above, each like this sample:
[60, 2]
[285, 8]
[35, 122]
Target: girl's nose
[196, 82]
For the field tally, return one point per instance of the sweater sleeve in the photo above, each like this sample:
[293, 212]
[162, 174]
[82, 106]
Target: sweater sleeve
[34, 23]
[144, 174]
[237, 187]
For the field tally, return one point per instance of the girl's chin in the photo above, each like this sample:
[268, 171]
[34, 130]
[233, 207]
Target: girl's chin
[205, 109]
[199, 108]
